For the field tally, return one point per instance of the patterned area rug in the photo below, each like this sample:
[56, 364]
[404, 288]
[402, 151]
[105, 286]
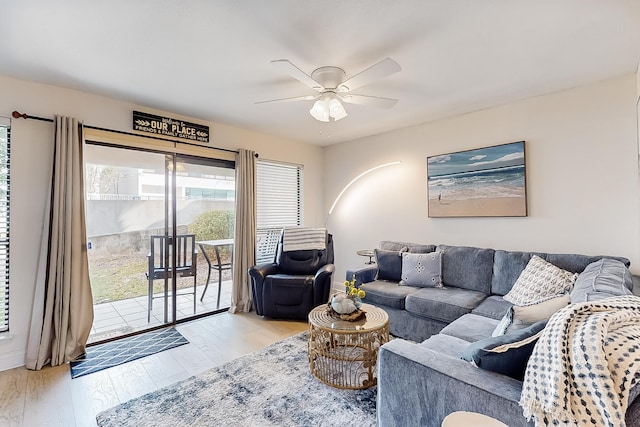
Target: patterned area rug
[271, 387]
[117, 352]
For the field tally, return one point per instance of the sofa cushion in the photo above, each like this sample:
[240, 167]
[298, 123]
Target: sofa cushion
[421, 270]
[540, 281]
[389, 245]
[446, 344]
[470, 327]
[506, 354]
[507, 266]
[576, 263]
[445, 305]
[493, 307]
[601, 279]
[387, 294]
[521, 317]
[389, 265]
[467, 267]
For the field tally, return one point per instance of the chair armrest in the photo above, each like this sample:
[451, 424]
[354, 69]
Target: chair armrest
[326, 269]
[363, 275]
[322, 284]
[260, 271]
[418, 386]
[257, 273]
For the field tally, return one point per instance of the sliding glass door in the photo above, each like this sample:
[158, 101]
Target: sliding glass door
[149, 217]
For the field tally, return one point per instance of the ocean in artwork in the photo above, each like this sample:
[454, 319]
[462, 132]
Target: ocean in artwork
[500, 182]
[482, 182]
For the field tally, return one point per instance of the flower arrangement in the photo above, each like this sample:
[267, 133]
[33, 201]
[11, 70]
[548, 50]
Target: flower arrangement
[351, 289]
[349, 302]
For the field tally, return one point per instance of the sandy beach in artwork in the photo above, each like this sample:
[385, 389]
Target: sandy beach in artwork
[484, 206]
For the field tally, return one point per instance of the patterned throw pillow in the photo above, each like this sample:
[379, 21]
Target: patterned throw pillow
[422, 270]
[540, 281]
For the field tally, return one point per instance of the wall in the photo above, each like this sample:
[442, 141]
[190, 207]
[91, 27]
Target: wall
[582, 178]
[30, 165]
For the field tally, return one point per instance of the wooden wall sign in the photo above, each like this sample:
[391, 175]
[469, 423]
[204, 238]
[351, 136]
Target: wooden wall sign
[151, 123]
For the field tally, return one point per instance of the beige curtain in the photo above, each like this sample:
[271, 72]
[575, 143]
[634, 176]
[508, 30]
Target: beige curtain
[62, 311]
[244, 254]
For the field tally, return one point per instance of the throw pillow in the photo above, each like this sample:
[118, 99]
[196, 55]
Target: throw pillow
[521, 317]
[506, 354]
[389, 265]
[602, 279]
[422, 270]
[540, 281]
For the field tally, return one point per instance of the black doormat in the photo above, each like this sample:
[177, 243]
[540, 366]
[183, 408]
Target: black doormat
[125, 350]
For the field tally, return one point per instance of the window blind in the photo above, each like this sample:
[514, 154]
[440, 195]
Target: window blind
[5, 137]
[279, 188]
[279, 194]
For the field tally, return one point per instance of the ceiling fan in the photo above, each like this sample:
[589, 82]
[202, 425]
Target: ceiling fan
[332, 87]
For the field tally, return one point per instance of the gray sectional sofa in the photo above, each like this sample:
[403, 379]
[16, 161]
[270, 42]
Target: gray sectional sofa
[421, 376]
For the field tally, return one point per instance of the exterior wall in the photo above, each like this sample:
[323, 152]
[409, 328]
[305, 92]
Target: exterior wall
[30, 168]
[582, 178]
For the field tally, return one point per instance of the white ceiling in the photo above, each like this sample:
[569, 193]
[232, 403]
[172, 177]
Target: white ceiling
[211, 59]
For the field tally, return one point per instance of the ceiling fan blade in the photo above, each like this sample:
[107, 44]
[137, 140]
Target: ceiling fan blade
[295, 72]
[295, 98]
[382, 69]
[375, 101]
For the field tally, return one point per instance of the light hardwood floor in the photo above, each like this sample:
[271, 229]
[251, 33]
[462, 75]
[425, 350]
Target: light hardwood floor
[51, 398]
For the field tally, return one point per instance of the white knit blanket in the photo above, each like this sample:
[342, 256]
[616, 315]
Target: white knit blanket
[584, 365]
[304, 238]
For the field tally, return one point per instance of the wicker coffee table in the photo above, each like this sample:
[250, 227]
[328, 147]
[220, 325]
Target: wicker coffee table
[343, 354]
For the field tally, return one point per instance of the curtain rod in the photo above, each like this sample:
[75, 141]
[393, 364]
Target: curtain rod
[18, 115]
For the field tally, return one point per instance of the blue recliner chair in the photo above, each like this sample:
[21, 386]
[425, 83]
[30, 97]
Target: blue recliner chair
[294, 284]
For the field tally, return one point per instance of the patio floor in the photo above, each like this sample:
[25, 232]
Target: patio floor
[126, 316]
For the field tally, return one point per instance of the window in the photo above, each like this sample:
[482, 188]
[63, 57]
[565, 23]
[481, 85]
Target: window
[279, 194]
[279, 203]
[4, 222]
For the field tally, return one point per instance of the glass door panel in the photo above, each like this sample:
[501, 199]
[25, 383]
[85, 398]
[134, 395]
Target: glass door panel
[159, 237]
[126, 209]
[205, 203]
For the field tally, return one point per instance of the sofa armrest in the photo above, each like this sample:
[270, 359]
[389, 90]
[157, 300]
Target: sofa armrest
[418, 386]
[363, 275]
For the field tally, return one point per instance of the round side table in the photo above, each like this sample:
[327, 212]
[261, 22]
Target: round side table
[470, 419]
[344, 354]
[368, 253]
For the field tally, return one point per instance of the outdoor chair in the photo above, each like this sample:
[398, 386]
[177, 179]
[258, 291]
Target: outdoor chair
[295, 283]
[160, 265]
[219, 265]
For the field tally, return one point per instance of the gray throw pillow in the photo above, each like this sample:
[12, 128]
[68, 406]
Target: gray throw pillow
[602, 279]
[422, 270]
[389, 265]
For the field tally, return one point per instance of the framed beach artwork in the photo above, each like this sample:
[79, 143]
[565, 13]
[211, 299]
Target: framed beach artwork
[486, 181]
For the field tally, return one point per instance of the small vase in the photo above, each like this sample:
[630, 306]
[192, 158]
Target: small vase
[345, 304]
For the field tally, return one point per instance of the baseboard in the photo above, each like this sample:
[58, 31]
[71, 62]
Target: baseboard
[10, 360]
[337, 287]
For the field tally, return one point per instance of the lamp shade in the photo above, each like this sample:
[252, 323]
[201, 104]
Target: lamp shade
[320, 110]
[336, 110]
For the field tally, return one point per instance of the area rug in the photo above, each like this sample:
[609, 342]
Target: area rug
[270, 387]
[117, 352]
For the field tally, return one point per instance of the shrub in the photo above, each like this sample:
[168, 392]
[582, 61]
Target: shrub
[213, 225]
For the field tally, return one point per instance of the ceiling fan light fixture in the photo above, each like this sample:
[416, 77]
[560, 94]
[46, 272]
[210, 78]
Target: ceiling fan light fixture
[320, 111]
[336, 109]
